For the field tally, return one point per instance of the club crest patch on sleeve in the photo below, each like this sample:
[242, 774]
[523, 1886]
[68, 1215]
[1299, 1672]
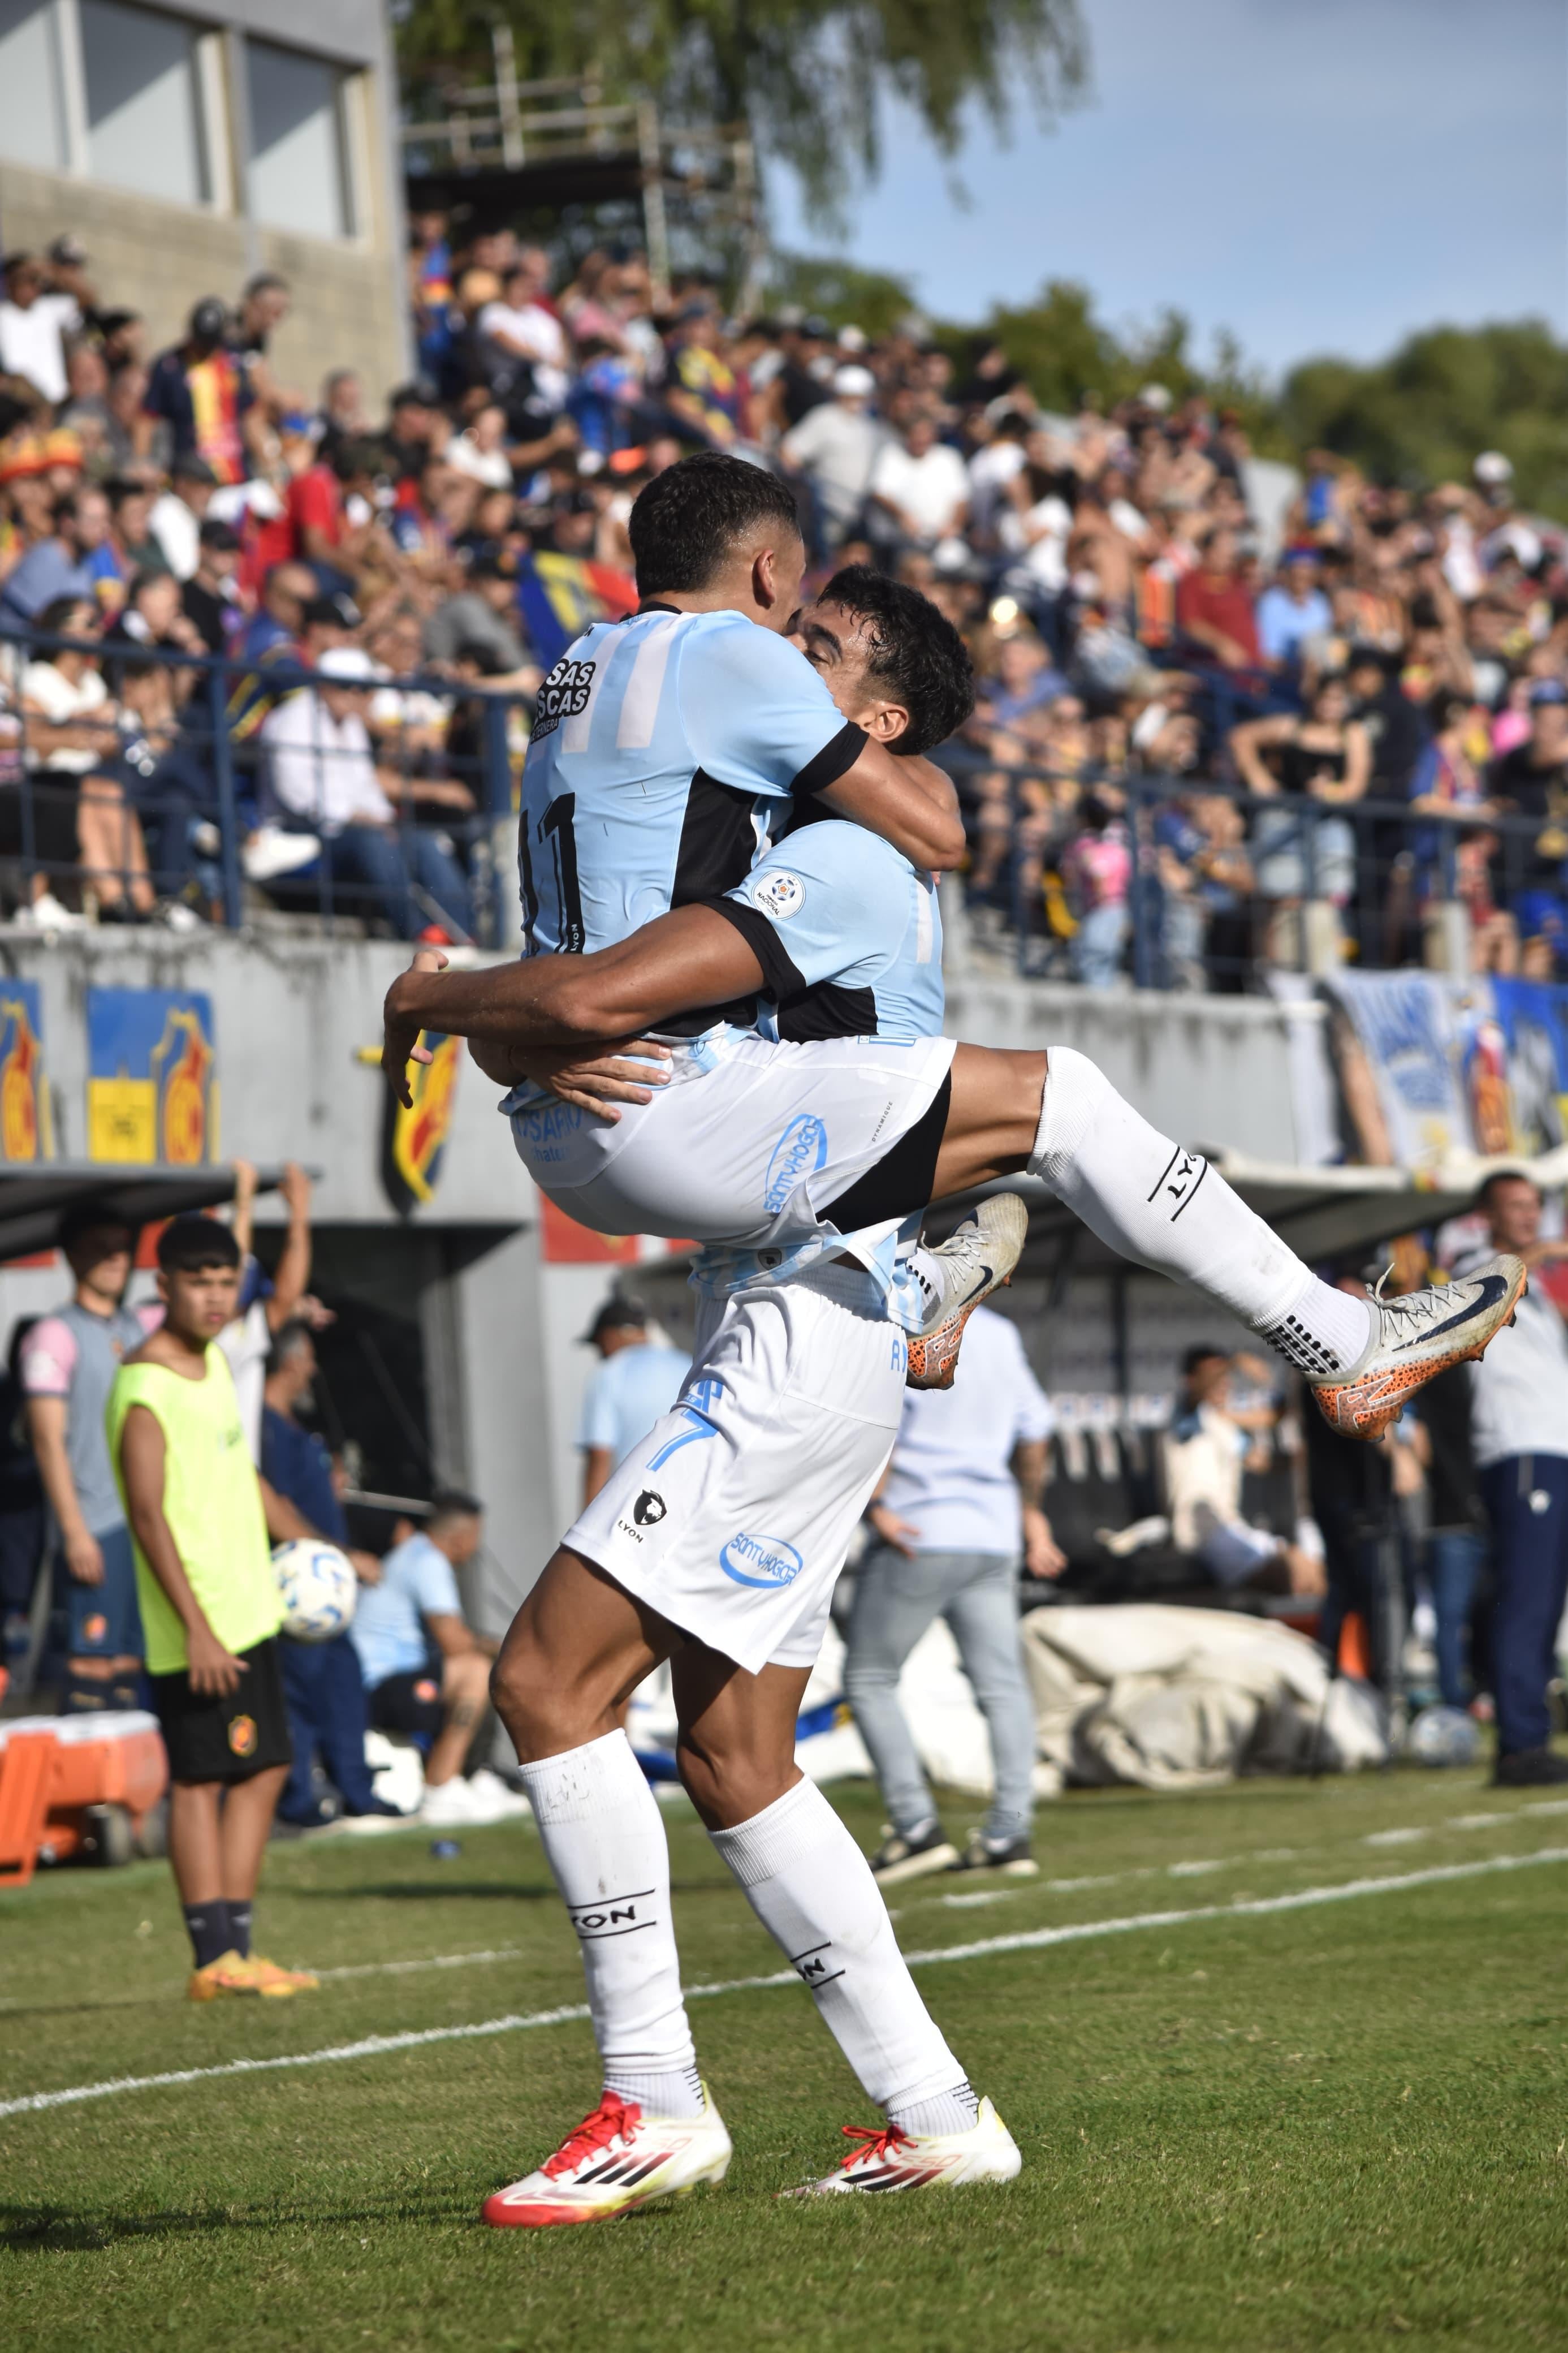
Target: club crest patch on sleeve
[780, 896]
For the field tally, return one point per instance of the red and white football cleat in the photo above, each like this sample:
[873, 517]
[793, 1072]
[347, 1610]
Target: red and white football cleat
[616, 2160]
[891, 2160]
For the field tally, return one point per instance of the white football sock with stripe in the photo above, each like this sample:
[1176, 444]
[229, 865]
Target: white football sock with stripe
[1165, 1207]
[602, 1830]
[812, 1889]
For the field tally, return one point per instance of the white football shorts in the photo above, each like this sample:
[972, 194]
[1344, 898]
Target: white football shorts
[748, 1143]
[733, 1516]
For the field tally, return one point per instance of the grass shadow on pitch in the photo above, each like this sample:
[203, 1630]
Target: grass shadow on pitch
[56, 2230]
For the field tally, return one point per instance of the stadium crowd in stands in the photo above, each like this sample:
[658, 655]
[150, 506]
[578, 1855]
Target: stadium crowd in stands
[1202, 700]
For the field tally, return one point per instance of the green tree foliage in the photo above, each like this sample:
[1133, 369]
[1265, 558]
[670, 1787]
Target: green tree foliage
[803, 74]
[1421, 415]
[838, 291]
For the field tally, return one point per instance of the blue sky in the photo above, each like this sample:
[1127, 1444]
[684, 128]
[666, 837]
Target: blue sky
[1314, 174]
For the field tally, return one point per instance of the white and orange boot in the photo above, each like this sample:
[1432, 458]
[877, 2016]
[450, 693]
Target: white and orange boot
[956, 1275]
[1414, 1339]
[616, 2160]
[891, 2159]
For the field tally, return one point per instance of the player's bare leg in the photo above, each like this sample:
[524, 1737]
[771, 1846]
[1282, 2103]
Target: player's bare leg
[1057, 1117]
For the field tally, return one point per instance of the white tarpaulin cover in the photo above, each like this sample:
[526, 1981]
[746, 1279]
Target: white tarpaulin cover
[1184, 1699]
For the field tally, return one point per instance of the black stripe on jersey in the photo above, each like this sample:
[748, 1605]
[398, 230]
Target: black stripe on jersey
[832, 761]
[717, 850]
[828, 1009]
[902, 1180]
[780, 977]
[824, 1010]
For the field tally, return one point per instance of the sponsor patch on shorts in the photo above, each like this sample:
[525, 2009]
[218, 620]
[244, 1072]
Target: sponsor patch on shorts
[780, 896]
[766, 1561]
[242, 1734]
[799, 1153]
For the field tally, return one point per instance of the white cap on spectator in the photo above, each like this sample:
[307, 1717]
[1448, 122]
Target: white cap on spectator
[1491, 466]
[352, 664]
[854, 383]
[1156, 396]
[851, 339]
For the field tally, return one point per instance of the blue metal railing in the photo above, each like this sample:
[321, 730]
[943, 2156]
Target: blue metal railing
[195, 780]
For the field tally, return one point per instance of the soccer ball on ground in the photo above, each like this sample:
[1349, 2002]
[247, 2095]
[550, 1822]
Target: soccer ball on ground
[317, 1583]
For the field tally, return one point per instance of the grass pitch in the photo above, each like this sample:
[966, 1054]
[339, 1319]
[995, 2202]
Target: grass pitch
[1337, 2125]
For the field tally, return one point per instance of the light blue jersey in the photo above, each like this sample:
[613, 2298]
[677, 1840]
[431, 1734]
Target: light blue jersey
[666, 750]
[847, 934]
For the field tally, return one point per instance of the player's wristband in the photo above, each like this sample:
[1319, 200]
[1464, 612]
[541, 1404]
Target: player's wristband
[831, 762]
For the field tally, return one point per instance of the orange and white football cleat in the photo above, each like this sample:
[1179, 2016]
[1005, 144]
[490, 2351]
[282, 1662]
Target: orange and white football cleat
[956, 1275]
[229, 1974]
[1413, 1340]
[616, 2160]
[891, 2160]
[272, 1982]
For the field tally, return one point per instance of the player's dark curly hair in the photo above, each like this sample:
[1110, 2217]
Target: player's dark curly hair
[687, 520]
[918, 656]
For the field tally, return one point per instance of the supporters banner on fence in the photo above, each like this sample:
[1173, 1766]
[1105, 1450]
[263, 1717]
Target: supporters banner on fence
[25, 1127]
[1400, 1051]
[1533, 1018]
[152, 1085]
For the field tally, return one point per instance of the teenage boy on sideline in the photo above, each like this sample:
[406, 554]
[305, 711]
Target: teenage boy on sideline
[209, 1605]
[69, 1361]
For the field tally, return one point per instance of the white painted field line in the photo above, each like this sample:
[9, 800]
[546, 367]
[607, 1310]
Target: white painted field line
[1030, 1939]
[433, 1961]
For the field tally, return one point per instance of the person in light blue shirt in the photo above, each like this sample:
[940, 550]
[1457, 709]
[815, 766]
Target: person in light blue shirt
[958, 1515]
[639, 1379]
[1294, 609]
[425, 1671]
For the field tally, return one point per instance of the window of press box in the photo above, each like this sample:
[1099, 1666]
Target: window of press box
[144, 129]
[31, 123]
[299, 177]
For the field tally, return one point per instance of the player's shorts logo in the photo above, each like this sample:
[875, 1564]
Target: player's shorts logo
[760, 1560]
[426, 1691]
[780, 896]
[649, 1509]
[543, 1134]
[242, 1734]
[94, 1629]
[800, 1151]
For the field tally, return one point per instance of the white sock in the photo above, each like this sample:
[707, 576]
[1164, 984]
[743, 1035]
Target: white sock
[1167, 1208]
[604, 1835]
[812, 1889]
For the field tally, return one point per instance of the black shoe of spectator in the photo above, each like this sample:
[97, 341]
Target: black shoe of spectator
[376, 1806]
[1529, 1768]
[979, 1854]
[911, 1858]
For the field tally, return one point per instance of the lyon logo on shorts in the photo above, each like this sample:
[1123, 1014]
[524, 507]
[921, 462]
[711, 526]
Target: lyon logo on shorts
[800, 1152]
[94, 1629]
[760, 1560]
[242, 1734]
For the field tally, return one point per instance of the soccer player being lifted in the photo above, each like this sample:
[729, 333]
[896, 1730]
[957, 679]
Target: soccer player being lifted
[717, 1543]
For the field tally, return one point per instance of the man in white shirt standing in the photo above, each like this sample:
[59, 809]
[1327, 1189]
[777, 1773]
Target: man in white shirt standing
[922, 488]
[959, 1503]
[322, 777]
[834, 445]
[1520, 1425]
[33, 326]
[526, 326]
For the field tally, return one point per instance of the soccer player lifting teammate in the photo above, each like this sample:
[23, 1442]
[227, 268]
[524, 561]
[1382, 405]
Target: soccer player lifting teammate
[717, 1544]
